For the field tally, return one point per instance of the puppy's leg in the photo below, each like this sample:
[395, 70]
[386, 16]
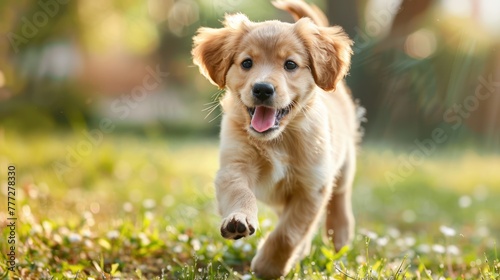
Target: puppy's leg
[296, 226]
[237, 204]
[339, 216]
[305, 249]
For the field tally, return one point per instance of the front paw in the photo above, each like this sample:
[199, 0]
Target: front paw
[237, 225]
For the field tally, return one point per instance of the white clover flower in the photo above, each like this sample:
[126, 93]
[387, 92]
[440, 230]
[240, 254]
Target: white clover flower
[410, 241]
[36, 229]
[64, 231]
[88, 243]
[246, 277]
[438, 248]
[113, 234]
[246, 248]
[57, 238]
[424, 248]
[74, 237]
[447, 231]
[196, 244]
[47, 226]
[88, 215]
[183, 237]
[266, 223]
[238, 243]
[400, 242]
[360, 259]
[149, 215]
[86, 233]
[382, 241]
[393, 232]
[144, 239]
[149, 203]
[370, 234]
[178, 249]
[453, 250]
[211, 248]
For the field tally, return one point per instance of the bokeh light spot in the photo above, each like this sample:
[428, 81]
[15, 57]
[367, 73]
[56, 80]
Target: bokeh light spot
[420, 44]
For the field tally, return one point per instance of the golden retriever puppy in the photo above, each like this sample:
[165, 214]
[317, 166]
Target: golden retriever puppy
[289, 129]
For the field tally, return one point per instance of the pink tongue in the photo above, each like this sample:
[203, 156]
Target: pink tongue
[263, 118]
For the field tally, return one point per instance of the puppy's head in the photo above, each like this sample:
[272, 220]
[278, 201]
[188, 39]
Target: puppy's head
[272, 67]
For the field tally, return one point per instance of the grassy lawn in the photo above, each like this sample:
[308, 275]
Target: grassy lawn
[139, 207]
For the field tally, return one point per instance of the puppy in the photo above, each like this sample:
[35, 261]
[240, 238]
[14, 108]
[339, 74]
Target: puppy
[289, 129]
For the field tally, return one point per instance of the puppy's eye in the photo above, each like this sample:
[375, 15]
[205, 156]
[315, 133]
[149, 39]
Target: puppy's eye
[290, 65]
[247, 64]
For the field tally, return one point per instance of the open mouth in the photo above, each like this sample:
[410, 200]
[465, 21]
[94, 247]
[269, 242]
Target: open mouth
[265, 119]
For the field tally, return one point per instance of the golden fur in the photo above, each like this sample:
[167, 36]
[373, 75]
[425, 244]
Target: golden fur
[304, 167]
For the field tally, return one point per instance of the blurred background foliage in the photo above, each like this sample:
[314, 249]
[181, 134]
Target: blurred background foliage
[69, 64]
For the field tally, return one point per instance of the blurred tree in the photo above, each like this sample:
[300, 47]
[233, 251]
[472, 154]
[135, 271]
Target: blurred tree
[59, 54]
[411, 63]
[345, 14]
[428, 62]
[38, 62]
[408, 16]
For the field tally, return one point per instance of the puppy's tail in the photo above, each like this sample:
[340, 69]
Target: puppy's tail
[299, 9]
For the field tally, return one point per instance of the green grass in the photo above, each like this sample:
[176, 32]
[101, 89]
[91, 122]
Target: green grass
[138, 207]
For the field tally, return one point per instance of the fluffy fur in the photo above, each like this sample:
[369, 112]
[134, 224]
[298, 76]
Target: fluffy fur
[304, 166]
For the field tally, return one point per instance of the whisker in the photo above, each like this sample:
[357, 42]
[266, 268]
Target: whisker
[214, 104]
[210, 106]
[217, 95]
[215, 117]
[212, 110]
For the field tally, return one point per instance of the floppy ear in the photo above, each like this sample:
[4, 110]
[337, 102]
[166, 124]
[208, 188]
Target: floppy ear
[214, 49]
[329, 51]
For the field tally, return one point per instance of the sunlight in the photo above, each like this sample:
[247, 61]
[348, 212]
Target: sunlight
[490, 15]
[484, 11]
[458, 7]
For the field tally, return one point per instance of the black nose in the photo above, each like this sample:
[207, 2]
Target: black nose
[262, 91]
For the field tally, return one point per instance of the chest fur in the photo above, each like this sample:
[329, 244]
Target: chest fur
[282, 172]
[274, 174]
